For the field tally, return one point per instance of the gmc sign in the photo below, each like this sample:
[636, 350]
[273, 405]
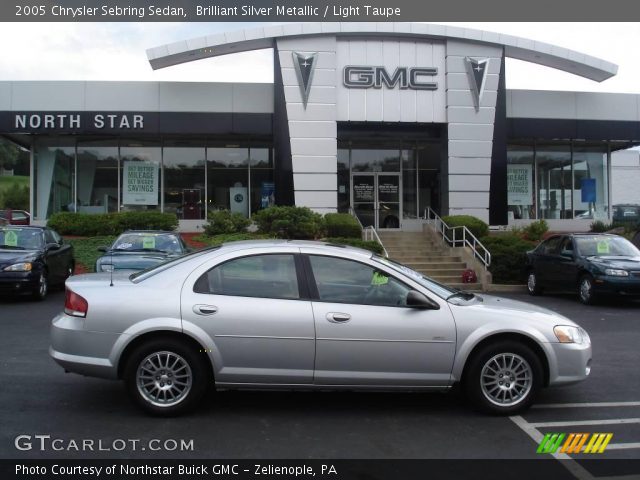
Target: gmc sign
[405, 78]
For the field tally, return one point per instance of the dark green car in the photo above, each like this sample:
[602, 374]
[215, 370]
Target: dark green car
[591, 264]
[140, 249]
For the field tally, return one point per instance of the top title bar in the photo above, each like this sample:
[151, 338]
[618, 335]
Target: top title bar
[315, 10]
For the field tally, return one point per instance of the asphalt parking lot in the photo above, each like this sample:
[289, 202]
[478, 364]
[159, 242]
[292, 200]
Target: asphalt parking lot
[38, 398]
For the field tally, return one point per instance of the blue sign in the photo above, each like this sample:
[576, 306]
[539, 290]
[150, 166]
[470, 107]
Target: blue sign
[588, 189]
[267, 194]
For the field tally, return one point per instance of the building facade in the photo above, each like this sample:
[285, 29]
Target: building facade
[384, 120]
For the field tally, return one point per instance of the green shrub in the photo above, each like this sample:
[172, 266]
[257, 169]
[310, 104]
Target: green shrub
[599, 226]
[372, 246]
[88, 225]
[223, 221]
[342, 225]
[15, 197]
[475, 225]
[508, 257]
[536, 230]
[290, 222]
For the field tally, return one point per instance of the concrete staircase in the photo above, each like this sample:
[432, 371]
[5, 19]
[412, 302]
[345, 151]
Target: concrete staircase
[430, 257]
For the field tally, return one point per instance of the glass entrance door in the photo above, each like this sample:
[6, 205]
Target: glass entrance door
[376, 199]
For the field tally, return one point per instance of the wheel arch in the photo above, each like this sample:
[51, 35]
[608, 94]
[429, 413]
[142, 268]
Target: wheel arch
[509, 336]
[156, 334]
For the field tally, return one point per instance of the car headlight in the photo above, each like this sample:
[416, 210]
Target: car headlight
[571, 334]
[19, 267]
[614, 272]
[107, 267]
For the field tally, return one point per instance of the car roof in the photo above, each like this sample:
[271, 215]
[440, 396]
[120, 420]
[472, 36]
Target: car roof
[33, 227]
[149, 231]
[266, 243]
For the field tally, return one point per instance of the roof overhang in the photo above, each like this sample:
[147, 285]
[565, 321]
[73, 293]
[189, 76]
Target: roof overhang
[265, 37]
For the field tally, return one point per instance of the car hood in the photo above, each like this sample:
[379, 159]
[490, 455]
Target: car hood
[625, 263]
[9, 257]
[134, 260]
[490, 308]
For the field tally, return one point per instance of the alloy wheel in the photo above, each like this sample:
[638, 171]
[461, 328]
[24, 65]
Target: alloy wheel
[506, 379]
[164, 378]
[586, 290]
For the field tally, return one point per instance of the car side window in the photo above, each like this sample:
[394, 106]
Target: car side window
[567, 246]
[49, 237]
[263, 276]
[346, 281]
[550, 247]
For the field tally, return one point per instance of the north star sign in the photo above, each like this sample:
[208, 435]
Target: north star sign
[57, 121]
[406, 78]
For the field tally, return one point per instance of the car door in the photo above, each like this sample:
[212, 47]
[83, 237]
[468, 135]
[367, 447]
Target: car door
[565, 266]
[54, 257]
[365, 333]
[255, 308]
[543, 262]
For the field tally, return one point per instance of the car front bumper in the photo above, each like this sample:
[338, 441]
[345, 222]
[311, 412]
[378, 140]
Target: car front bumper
[571, 363]
[610, 285]
[18, 282]
[81, 351]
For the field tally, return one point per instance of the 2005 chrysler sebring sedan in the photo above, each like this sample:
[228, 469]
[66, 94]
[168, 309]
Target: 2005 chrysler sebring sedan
[307, 315]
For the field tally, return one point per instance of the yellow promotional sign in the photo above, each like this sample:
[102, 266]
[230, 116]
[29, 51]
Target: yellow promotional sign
[11, 238]
[148, 242]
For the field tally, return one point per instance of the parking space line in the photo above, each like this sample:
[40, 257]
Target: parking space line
[585, 405]
[622, 446]
[612, 421]
[567, 462]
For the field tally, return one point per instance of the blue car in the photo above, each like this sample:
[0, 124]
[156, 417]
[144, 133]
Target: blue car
[140, 249]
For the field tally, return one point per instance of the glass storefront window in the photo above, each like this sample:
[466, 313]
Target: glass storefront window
[54, 177]
[591, 193]
[343, 180]
[554, 181]
[409, 184]
[381, 160]
[97, 179]
[184, 181]
[228, 179]
[428, 157]
[140, 177]
[262, 184]
[520, 182]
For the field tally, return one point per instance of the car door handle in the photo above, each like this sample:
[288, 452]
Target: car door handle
[338, 317]
[204, 309]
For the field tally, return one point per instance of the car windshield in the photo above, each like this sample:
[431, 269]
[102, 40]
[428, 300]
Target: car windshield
[152, 270]
[20, 238]
[153, 242]
[438, 288]
[605, 245]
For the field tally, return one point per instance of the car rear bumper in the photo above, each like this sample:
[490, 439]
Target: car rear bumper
[80, 351]
[572, 363]
[608, 285]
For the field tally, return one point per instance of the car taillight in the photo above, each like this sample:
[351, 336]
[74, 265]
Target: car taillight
[74, 304]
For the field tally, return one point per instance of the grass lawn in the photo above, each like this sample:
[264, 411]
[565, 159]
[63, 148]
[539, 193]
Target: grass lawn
[85, 249]
[7, 181]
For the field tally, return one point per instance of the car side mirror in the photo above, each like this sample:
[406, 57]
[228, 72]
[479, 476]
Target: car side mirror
[52, 246]
[416, 299]
[102, 249]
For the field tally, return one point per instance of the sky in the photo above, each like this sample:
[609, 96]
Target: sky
[117, 51]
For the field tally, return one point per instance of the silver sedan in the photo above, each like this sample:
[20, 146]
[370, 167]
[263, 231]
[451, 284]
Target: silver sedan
[307, 315]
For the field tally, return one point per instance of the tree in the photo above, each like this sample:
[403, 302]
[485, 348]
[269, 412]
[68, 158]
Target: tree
[8, 154]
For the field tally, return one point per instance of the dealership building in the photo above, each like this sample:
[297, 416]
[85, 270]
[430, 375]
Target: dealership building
[386, 120]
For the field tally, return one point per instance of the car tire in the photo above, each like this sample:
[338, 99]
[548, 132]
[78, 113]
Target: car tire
[170, 366]
[503, 378]
[40, 292]
[585, 290]
[533, 286]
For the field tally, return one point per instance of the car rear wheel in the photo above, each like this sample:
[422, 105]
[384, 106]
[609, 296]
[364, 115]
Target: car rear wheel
[533, 286]
[42, 288]
[585, 290]
[503, 378]
[166, 377]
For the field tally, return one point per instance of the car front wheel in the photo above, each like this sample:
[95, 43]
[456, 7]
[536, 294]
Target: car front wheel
[166, 377]
[533, 286]
[585, 290]
[503, 378]
[42, 288]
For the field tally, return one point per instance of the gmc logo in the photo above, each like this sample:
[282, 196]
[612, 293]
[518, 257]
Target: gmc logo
[375, 77]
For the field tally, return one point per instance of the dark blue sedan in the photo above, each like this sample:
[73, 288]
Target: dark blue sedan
[590, 264]
[137, 250]
[32, 259]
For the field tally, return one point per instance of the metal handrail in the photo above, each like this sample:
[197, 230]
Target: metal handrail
[467, 238]
[369, 233]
